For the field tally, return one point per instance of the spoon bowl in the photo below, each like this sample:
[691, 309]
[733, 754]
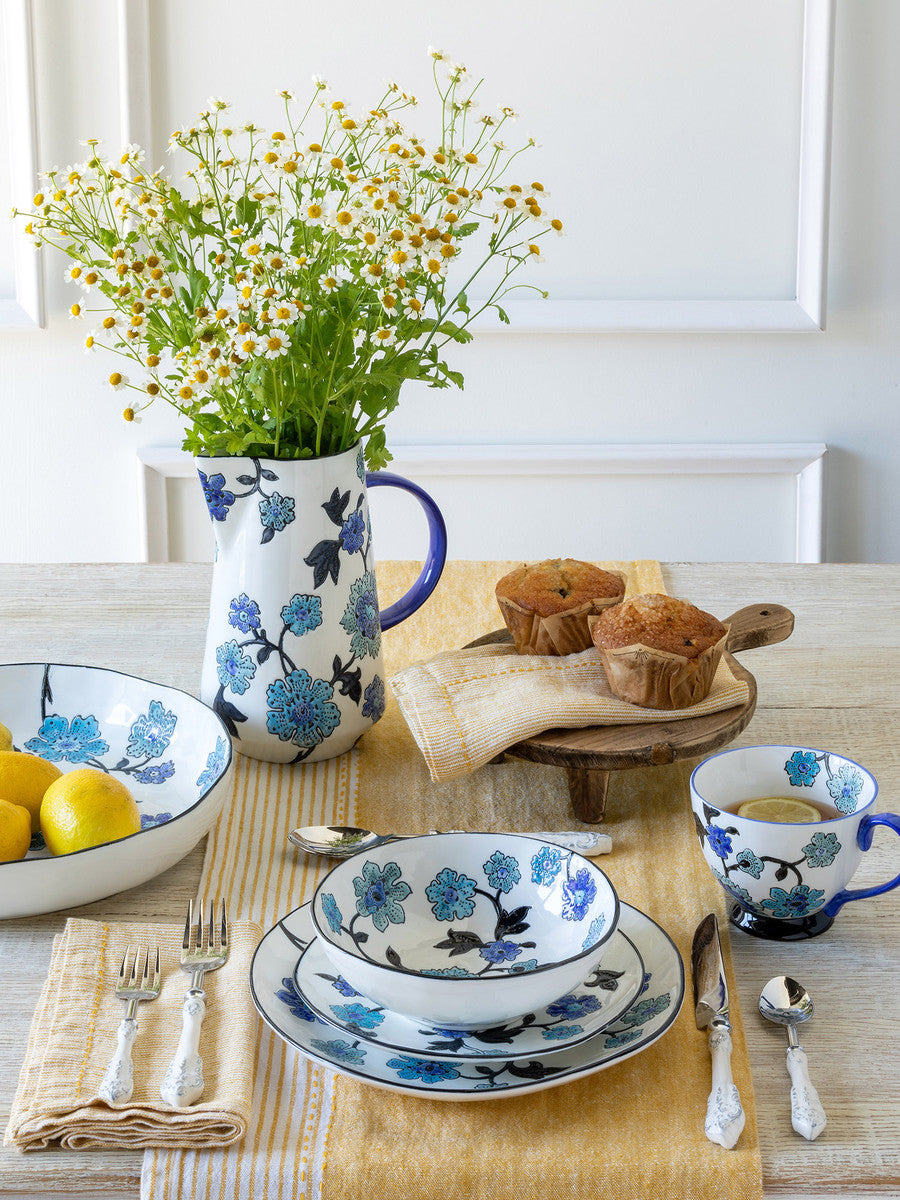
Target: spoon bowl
[786, 1002]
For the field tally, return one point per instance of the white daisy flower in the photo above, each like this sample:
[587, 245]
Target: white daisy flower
[277, 342]
[117, 381]
[384, 336]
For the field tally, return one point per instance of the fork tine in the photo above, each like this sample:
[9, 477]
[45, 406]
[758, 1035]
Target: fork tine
[133, 977]
[211, 943]
[188, 927]
[145, 974]
[156, 977]
[224, 944]
[123, 973]
[201, 929]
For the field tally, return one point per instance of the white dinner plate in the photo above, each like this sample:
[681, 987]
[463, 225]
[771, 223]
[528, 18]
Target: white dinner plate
[644, 1022]
[603, 996]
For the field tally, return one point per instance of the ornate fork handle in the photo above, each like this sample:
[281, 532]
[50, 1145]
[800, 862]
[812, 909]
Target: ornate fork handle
[118, 1082]
[183, 1083]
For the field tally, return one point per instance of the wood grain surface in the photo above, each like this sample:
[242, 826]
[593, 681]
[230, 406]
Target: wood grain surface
[833, 684]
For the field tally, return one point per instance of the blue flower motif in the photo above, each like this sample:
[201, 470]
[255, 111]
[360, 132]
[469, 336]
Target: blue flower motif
[289, 995]
[148, 821]
[158, 773]
[519, 968]
[358, 1015]
[644, 1010]
[719, 841]
[450, 895]
[150, 734]
[448, 972]
[244, 613]
[739, 893]
[235, 669]
[418, 1068]
[301, 709]
[276, 511]
[332, 912]
[303, 614]
[373, 700]
[353, 532]
[379, 893]
[844, 788]
[594, 930]
[500, 951]
[578, 895]
[621, 1039]
[799, 901]
[502, 871]
[76, 742]
[802, 768]
[215, 761]
[339, 1050]
[341, 985]
[822, 849]
[361, 619]
[573, 1006]
[546, 864]
[747, 861]
[360, 465]
[558, 1032]
[218, 498]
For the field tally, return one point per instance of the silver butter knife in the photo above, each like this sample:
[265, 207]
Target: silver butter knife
[724, 1114]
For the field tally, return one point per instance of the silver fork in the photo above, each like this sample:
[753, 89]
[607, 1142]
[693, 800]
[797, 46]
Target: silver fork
[118, 1082]
[205, 948]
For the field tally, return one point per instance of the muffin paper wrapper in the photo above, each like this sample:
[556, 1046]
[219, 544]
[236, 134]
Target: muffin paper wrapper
[659, 679]
[559, 633]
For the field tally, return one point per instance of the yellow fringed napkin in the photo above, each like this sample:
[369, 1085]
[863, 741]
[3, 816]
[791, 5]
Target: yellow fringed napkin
[465, 707]
[73, 1037]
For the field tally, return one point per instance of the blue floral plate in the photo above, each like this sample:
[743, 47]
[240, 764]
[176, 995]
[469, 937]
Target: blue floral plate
[413, 1073]
[171, 751]
[603, 997]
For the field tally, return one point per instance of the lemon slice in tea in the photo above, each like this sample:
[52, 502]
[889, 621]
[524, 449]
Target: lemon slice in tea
[782, 810]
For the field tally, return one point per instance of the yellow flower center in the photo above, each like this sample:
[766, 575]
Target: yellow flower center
[75, 310]
[109, 322]
[274, 343]
[344, 217]
[128, 414]
[115, 379]
[186, 391]
[314, 211]
[152, 389]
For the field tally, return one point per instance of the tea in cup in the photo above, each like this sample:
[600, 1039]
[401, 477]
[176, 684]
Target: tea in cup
[783, 829]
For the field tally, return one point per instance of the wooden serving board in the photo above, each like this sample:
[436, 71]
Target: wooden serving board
[589, 754]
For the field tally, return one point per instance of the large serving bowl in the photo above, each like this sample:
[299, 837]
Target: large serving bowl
[171, 751]
[465, 929]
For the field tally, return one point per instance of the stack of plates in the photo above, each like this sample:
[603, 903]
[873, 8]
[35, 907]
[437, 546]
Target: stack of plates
[623, 1006]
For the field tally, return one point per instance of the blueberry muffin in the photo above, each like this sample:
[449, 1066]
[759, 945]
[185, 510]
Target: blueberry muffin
[546, 605]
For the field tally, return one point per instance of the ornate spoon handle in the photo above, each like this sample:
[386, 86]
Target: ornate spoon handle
[724, 1114]
[807, 1113]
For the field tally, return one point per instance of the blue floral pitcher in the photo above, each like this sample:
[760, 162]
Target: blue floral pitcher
[293, 649]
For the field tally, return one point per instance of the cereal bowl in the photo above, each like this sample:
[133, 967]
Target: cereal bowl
[465, 929]
[171, 751]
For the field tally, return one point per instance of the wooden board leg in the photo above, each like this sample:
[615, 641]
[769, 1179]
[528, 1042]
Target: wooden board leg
[588, 792]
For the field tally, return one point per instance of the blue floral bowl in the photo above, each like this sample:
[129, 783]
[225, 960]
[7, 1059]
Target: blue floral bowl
[465, 928]
[171, 751]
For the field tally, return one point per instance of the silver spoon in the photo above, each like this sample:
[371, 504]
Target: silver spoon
[785, 1002]
[343, 841]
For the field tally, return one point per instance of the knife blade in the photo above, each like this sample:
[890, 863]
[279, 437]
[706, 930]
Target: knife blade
[724, 1114]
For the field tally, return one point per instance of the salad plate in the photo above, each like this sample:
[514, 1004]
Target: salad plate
[410, 1072]
[605, 994]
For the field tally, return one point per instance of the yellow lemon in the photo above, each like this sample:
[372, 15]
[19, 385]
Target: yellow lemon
[86, 808]
[15, 831]
[23, 780]
[5, 738]
[783, 810]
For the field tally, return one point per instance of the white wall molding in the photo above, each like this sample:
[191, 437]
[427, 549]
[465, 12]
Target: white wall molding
[801, 461]
[804, 310]
[135, 111]
[25, 310]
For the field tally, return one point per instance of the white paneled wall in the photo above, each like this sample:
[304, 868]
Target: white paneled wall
[685, 145]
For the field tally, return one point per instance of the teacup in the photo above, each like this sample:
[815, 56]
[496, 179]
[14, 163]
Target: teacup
[787, 880]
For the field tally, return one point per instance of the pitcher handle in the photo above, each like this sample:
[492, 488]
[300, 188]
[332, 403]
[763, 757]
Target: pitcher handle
[434, 559]
[864, 841]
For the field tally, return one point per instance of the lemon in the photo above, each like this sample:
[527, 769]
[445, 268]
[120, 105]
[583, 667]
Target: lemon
[23, 780]
[783, 810]
[86, 808]
[5, 738]
[15, 831]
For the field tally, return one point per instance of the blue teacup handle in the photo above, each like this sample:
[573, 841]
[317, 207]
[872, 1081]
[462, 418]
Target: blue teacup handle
[434, 559]
[864, 837]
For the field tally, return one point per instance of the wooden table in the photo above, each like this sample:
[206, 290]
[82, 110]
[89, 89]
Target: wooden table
[833, 684]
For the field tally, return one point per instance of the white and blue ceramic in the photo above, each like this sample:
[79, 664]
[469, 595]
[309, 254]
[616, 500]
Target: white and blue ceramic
[413, 1073]
[465, 929]
[598, 1001]
[787, 881]
[292, 662]
[170, 750]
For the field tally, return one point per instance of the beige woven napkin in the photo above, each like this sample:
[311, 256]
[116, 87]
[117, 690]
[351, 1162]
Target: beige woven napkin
[464, 707]
[73, 1037]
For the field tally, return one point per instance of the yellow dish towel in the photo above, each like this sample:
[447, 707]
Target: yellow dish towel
[73, 1037]
[466, 706]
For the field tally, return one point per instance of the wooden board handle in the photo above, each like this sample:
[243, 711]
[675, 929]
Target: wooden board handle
[758, 625]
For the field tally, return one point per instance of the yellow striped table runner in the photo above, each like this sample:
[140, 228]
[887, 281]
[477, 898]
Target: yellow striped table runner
[634, 1130]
